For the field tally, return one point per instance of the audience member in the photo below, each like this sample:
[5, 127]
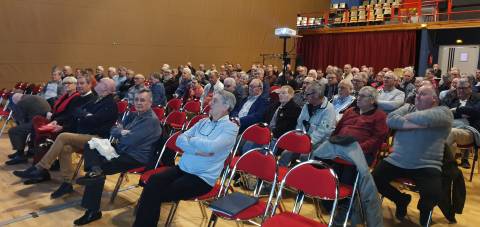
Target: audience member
[343, 100]
[251, 109]
[139, 84]
[390, 98]
[158, 90]
[418, 159]
[136, 137]
[205, 147]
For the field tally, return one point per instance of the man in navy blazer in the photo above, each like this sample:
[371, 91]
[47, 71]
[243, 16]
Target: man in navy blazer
[251, 109]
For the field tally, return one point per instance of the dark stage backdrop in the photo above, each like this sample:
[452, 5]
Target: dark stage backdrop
[391, 49]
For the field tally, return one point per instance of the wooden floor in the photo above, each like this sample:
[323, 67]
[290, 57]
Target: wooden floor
[18, 202]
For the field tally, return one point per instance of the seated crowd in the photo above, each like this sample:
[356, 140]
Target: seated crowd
[423, 115]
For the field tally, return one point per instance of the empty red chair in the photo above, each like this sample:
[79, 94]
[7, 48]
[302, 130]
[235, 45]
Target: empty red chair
[295, 141]
[122, 108]
[174, 104]
[312, 181]
[261, 165]
[159, 111]
[176, 120]
[192, 107]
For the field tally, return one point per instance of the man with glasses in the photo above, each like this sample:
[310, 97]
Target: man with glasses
[331, 88]
[205, 147]
[465, 106]
[390, 97]
[136, 136]
[251, 109]
[139, 84]
[299, 97]
[420, 135]
[359, 81]
[317, 119]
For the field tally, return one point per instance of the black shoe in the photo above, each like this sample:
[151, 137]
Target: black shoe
[24, 173]
[55, 166]
[65, 188]
[402, 205]
[90, 178]
[13, 155]
[465, 164]
[451, 219]
[424, 216]
[88, 217]
[17, 160]
[37, 176]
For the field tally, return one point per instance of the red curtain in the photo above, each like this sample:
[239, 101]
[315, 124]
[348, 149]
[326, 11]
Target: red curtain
[377, 49]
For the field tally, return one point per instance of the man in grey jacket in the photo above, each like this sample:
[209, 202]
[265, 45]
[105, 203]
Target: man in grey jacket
[135, 149]
[421, 132]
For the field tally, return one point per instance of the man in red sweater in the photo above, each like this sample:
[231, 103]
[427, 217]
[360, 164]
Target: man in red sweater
[365, 122]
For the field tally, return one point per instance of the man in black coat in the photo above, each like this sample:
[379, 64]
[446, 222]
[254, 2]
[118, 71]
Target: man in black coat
[282, 116]
[93, 120]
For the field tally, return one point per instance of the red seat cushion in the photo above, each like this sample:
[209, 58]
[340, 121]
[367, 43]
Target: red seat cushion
[176, 126]
[4, 113]
[291, 220]
[249, 213]
[147, 174]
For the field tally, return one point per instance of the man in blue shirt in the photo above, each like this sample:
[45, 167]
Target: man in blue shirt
[206, 146]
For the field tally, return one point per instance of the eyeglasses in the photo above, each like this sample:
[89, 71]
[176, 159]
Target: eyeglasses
[137, 78]
[67, 83]
[207, 132]
[308, 94]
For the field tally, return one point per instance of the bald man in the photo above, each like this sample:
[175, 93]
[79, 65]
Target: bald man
[414, 158]
[26, 107]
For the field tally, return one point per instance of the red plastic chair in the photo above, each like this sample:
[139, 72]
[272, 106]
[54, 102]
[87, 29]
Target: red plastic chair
[171, 145]
[261, 165]
[146, 174]
[176, 120]
[315, 182]
[295, 141]
[159, 111]
[192, 107]
[174, 104]
[195, 120]
[122, 107]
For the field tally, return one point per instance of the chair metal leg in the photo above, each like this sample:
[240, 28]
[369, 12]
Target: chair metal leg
[203, 210]
[171, 214]
[475, 159]
[117, 187]
[213, 220]
[77, 169]
[430, 218]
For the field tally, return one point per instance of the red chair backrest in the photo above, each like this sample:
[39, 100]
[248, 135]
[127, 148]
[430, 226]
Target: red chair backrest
[192, 107]
[254, 162]
[258, 133]
[174, 104]
[195, 120]
[159, 111]
[314, 181]
[295, 141]
[122, 106]
[273, 88]
[176, 117]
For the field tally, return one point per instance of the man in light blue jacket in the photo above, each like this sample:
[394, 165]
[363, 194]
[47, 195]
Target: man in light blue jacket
[317, 119]
[206, 146]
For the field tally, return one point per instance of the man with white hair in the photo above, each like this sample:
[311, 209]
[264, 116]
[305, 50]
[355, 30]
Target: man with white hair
[407, 84]
[231, 85]
[54, 88]
[390, 98]
[26, 107]
[205, 148]
[185, 84]
[139, 84]
[251, 109]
